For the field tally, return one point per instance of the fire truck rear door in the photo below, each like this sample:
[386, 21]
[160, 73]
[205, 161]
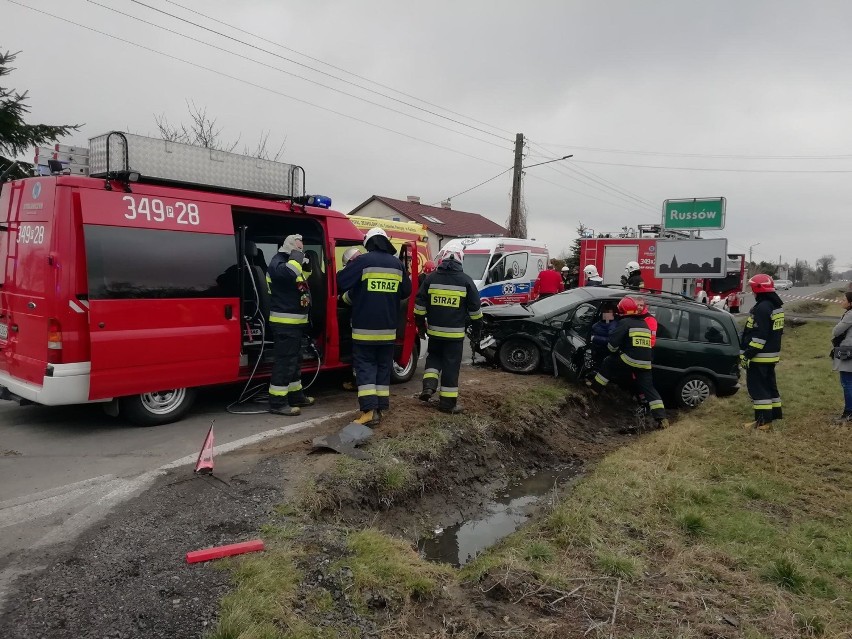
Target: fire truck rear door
[161, 315]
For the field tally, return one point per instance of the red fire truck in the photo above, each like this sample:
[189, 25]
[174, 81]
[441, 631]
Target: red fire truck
[136, 287]
[610, 252]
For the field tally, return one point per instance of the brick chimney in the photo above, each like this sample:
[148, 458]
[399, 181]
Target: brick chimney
[414, 199]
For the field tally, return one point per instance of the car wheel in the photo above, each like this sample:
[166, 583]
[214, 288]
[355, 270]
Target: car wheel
[402, 374]
[519, 356]
[693, 390]
[159, 407]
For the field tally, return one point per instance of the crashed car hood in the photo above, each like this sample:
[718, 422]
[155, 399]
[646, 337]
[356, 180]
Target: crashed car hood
[507, 311]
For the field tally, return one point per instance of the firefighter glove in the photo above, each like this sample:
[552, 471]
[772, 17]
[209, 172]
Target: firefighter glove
[297, 256]
[476, 330]
[744, 361]
[421, 326]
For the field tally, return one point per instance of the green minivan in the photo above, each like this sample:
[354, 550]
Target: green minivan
[696, 355]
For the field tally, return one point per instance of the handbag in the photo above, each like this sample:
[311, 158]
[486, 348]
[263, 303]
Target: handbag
[843, 353]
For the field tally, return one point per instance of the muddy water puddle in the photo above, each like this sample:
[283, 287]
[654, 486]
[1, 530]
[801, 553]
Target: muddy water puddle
[463, 542]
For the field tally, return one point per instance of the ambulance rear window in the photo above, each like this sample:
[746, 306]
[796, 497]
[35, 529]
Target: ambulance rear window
[134, 263]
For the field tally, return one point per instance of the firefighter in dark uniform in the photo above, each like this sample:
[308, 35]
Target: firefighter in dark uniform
[760, 351]
[631, 354]
[374, 284]
[632, 277]
[446, 303]
[289, 307]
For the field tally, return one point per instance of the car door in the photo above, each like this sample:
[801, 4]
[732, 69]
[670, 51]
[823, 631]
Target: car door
[570, 349]
[158, 318]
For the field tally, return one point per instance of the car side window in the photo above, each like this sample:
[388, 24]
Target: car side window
[668, 321]
[583, 319]
[712, 331]
[683, 327]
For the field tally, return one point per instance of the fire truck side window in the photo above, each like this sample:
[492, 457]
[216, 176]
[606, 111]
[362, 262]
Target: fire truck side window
[134, 263]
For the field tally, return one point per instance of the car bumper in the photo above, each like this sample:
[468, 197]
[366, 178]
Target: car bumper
[66, 384]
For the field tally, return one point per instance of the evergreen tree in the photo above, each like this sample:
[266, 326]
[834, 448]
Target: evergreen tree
[16, 136]
[572, 260]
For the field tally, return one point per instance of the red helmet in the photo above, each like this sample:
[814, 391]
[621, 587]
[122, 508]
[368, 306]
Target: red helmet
[628, 306]
[429, 266]
[762, 283]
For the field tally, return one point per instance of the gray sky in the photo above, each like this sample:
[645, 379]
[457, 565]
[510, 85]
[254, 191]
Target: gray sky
[755, 78]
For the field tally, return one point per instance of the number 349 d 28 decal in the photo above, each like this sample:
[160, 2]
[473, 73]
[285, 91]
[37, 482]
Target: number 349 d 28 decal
[155, 210]
[31, 234]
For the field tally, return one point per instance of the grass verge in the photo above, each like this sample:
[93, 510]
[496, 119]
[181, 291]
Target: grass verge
[708, 526]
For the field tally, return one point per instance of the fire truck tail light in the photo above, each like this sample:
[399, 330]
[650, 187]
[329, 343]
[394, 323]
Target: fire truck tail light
[54, 341]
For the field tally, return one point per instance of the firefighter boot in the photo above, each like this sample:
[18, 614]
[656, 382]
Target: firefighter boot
[450, 406]
[369, 418]
[303, 401]
[287, 411]
[755, 425]
[426, 394]
[594, 388]
[663, 423]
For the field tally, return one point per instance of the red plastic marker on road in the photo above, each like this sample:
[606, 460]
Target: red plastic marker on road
[224, 551]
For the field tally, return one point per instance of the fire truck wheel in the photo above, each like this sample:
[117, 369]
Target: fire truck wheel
[402, 374]
[519, 356]
[160, 407]
[693, 390]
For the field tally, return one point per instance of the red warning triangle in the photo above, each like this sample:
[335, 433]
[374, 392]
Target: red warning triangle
[204, 464]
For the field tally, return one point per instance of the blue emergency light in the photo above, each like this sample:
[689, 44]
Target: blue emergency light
[320, 201]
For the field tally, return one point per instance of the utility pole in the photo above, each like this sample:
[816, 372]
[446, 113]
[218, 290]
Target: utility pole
[517, 226]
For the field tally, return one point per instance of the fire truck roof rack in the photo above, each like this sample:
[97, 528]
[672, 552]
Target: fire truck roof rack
[126, 157]
[667, 294]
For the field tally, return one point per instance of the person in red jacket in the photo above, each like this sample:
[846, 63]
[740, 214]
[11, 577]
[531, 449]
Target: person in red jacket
[649, 319]
[547, 283]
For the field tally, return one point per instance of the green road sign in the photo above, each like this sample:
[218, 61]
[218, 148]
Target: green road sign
[694, 214]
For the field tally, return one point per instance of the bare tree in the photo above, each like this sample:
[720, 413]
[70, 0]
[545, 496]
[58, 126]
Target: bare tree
[262, 150]
[202, 130]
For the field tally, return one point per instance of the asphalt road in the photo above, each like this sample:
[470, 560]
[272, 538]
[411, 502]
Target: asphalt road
[64, 468]
[821, 291]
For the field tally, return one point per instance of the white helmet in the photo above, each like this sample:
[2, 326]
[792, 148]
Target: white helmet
[631, 266]
[373, 232]
[565, 269]
[591, 270]
[350, 254]
[458, 256]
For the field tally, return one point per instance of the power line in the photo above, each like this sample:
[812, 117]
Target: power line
[599, 184]
[337, 68]
[593, 197]
[295, 75]
[723, 156]
[252, 84]
[314, 69]
[695, 168]
[491, 179]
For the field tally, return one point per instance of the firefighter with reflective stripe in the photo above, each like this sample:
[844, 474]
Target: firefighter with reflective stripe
[445, 305]
[374, 284]
[288, 317]
[760, 351]
[631, 356]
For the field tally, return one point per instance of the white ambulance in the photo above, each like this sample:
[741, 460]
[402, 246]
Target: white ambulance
[504, 269]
